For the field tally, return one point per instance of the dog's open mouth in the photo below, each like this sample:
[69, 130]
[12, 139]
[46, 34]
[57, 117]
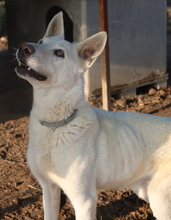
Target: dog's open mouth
[24, 70]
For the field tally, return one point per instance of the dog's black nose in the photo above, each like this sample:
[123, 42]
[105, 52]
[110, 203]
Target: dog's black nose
[26, 49]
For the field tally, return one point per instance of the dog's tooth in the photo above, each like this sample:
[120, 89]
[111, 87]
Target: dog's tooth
[28, 68]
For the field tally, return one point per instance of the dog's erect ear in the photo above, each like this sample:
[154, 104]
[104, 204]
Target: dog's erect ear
[56, 26]
[92, 47]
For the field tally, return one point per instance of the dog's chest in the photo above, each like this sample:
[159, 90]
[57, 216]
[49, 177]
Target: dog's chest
[46, 160]
[51, 151]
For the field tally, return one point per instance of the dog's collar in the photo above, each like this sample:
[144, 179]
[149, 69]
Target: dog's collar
[59, 123]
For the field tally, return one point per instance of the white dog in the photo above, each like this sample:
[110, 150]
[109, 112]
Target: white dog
[80, 149]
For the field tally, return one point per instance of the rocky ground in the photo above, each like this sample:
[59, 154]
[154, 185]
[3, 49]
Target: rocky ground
[20, 194]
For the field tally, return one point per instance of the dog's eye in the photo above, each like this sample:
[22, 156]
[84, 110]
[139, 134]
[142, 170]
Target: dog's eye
[59, 53]
[40, 42]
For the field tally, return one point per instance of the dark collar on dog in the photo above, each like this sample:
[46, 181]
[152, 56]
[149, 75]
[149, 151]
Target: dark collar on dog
[59, 123]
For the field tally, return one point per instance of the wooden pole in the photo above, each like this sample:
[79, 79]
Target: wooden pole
[106, 93]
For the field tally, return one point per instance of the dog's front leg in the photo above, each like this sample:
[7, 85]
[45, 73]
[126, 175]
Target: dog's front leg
[84, 201]
[85, 209]
[51, 200]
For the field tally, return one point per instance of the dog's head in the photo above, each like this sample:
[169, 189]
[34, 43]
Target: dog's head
[54, 61]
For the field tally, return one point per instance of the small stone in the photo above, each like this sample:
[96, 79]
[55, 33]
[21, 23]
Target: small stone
[3, 40]
[161, 92]
[121, 102]
[152, 91]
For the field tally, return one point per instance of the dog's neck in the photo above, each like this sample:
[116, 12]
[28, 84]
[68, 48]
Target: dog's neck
[56, 104]
[59, 123]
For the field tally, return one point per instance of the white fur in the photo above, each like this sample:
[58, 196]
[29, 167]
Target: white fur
[98, 150]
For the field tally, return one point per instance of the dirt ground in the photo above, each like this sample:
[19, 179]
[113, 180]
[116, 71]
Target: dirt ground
[21, 195]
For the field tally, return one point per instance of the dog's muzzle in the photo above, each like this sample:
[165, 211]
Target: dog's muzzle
[25, 50]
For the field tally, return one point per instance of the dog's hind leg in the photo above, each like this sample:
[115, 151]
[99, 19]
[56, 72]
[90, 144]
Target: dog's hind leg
[142, 193]
[51, 200]
[159, 192]
[141, 190]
